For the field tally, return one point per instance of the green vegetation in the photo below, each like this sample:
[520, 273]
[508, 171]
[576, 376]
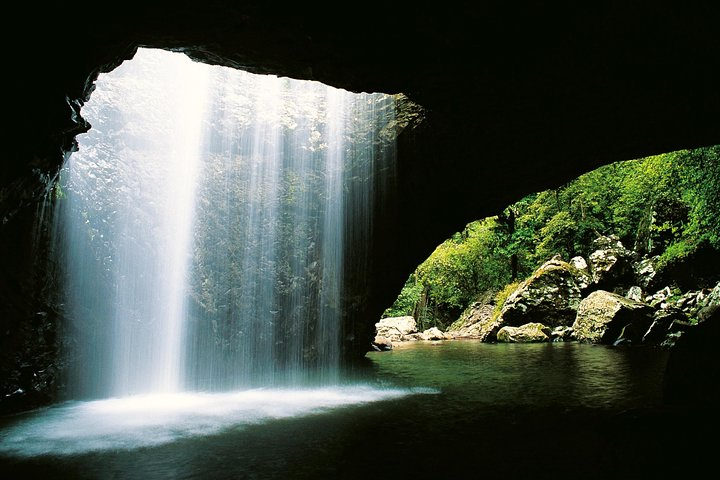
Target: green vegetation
[501, 296]
[664, 206]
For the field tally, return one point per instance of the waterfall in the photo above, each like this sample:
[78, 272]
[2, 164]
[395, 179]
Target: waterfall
[205, 225]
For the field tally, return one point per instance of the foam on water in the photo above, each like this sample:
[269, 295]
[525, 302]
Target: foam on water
[149, 420]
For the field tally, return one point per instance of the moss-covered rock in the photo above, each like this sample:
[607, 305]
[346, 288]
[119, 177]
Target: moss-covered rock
[528, 333]
[475, 322]
[550, 296]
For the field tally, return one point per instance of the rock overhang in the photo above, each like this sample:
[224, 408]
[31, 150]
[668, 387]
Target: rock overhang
[517, 99]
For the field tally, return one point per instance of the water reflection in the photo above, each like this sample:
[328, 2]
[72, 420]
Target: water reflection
[546, 411]
[562, 374]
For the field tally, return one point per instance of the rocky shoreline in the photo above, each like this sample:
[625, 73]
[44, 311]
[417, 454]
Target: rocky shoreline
[610, 299]
[606, 299]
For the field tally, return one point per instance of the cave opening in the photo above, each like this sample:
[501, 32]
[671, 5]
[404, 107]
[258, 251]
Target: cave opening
[538, 108]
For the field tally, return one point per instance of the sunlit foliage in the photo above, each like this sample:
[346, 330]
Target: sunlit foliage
[665, 206]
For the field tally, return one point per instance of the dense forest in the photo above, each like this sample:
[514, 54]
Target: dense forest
[664, 207]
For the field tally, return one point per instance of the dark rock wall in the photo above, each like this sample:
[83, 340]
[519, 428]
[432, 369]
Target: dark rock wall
[517, 99]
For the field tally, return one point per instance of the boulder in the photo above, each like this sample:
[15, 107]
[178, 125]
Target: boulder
[561, 334]
[528, 333]
[584, 277]
[659, 330]
[395, 329]
[692, 302]
[580, 264]
[551, 296]
[659, 298]
[604, 317]
[475, 322]
[675, 331]
[381, 344]
[635, 293]
[412, 336]
[708, 305]
[434, 333]
[611, 264]
[645, 271]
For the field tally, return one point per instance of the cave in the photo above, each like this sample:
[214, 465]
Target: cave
[504, 100]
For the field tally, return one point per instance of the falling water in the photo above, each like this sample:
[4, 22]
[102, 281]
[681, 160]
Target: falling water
[205, 223]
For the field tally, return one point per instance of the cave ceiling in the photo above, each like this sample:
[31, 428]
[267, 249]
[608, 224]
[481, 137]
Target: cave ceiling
[518, 97]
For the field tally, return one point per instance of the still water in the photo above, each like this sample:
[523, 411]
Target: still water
[453, 409]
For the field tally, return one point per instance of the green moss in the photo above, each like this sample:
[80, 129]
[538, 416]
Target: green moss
[502, 296]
